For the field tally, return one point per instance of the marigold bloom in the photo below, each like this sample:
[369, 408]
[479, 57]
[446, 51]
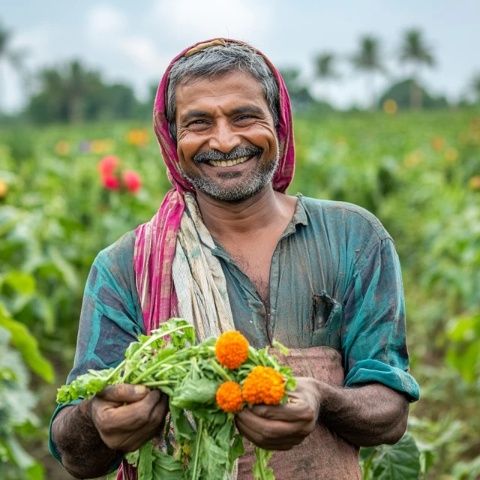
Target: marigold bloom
[132, 181]
[3, 188]
[231, 349]
[474, 182]
[263, 385]
[229, 397]
[137, 136]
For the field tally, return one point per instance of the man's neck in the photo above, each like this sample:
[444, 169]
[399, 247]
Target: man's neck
[264, 209]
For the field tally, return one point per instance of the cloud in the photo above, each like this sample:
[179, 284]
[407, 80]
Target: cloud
[104, 21]
[143, 53]
[193, 20]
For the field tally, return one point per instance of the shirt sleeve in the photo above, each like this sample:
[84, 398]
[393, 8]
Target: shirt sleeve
[373, 338]
[110, 317]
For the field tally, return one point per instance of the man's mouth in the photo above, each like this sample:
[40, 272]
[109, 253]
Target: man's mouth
[229, 163]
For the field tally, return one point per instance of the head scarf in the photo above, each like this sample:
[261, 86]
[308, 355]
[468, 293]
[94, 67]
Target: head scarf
[155, 240]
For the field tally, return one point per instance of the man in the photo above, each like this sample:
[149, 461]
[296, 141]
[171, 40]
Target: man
[229, 249]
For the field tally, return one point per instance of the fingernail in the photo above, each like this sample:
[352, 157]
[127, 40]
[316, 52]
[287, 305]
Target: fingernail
[139, 389]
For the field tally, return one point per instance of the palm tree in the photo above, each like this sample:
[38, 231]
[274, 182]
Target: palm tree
[13, 57]
[368, 60]
[414, 51]
[325, 67]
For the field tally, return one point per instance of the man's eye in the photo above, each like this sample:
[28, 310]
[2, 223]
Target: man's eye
[244, 118]
[198, 121]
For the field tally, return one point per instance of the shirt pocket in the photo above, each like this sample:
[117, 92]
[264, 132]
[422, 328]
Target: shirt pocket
[326, 321]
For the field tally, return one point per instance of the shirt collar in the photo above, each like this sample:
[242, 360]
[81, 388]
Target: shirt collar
[299, 218]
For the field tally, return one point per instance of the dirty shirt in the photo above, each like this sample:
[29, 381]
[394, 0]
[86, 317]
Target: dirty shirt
[335, 282]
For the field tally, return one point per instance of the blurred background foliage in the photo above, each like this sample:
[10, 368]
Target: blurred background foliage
[410, 158]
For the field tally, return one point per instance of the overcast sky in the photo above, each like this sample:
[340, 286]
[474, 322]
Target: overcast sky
[132, 41]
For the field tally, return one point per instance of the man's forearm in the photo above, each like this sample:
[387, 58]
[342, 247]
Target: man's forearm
[82, 450]
[365, 416]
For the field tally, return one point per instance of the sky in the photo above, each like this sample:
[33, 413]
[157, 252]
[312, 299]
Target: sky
[133, 42]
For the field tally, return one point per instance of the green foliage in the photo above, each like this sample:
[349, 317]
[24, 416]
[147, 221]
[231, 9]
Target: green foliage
[73, 93]
[418, 172]
[189, 373]
[27, 345]
[16, 412]
[401, 92]
[397, 462]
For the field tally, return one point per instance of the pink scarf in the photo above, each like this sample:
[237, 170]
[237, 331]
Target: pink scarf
[155, 240]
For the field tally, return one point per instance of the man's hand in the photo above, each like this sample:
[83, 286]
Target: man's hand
[284, 426]
[126, 416]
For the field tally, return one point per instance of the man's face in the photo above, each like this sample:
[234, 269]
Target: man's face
[226, 139]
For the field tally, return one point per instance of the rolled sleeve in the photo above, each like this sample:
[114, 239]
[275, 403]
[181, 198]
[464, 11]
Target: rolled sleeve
[373, 339]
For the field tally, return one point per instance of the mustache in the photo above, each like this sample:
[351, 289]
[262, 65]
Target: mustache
[233, 154]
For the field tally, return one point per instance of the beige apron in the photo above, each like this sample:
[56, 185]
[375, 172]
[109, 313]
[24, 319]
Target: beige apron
[323, 455]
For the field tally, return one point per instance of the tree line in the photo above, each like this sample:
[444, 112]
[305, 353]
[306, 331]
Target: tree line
[73, 92]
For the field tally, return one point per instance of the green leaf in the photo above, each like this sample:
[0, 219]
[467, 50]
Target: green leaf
[68, 273]
[193, 393]
[23, 283]
[397, 462]
[145, 461]
[35, 472]
[165, 467]
[27, 345]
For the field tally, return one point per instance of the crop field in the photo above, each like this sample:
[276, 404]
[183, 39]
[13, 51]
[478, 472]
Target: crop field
[418, 172]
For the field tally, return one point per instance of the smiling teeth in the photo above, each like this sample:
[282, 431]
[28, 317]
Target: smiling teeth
[228, 163]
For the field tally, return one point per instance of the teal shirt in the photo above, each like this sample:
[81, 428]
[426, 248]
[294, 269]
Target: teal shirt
[335, 281]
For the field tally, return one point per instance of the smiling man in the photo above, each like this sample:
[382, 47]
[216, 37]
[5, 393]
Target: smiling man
[228, 249]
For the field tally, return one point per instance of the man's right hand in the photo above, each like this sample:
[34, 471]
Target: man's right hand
[127, 416]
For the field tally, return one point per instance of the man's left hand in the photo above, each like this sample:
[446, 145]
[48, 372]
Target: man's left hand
[281, 427]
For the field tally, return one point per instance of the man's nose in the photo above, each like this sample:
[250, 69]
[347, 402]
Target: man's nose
[224, 139]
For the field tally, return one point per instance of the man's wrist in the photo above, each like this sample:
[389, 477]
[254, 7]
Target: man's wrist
[328, 399]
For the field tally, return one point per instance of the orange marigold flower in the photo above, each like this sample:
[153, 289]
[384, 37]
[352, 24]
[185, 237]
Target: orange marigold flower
[263, 385]
[231, 349]
[229, 397]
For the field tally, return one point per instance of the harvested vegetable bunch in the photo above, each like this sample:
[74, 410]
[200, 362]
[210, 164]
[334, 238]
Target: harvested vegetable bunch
[207, 383]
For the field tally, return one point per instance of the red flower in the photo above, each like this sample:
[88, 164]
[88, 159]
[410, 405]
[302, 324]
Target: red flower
[110, 182]
[107, 166]
[132, 181]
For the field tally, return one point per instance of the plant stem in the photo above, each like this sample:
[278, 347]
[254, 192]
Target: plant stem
[196, 454]
[261, 464]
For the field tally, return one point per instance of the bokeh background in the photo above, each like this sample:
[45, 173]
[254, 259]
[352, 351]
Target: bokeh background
[386, 98]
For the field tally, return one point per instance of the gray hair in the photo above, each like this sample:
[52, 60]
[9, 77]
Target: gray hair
[216, 61]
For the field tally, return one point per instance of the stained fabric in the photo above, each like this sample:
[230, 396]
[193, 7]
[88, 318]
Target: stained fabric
[335, 282]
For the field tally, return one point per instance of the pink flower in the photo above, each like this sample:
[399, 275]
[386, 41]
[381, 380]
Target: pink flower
[110, 182]
[107, 165]
[132, 181]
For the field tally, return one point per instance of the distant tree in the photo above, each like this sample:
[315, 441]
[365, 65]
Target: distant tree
[74, 93]
[400, 92]
[416, 53]
[368, 59]
[297, 89]
[63, 93]
[325, 70]
[10, 56]
[475, 87]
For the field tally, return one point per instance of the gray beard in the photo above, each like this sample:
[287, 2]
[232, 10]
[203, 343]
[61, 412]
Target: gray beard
[237, 193]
